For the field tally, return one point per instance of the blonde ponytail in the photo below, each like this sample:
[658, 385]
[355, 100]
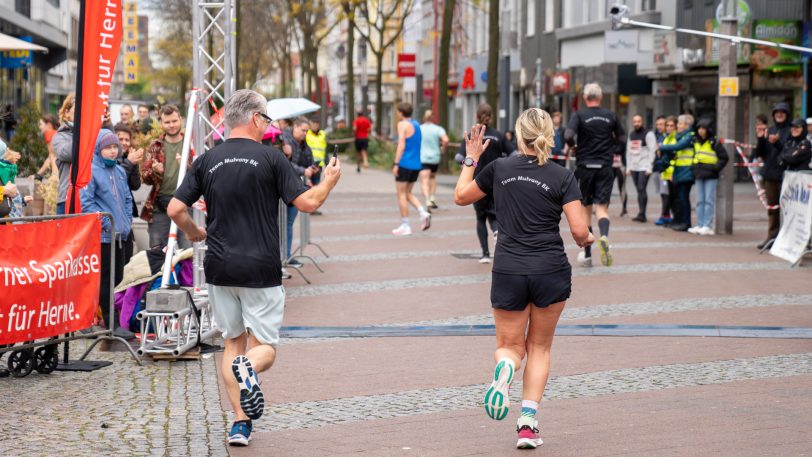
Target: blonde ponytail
[534, 129]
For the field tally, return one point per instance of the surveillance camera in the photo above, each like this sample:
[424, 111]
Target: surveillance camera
[618, 13]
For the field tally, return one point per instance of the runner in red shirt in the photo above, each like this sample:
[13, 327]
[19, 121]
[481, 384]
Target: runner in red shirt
[361, 126]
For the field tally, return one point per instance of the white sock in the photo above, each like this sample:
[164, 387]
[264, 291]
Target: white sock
[404, 221]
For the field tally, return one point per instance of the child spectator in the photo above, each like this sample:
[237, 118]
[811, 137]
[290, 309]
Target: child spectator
[108, 192]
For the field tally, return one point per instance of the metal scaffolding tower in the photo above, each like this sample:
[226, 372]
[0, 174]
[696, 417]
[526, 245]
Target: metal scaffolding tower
[214, 67]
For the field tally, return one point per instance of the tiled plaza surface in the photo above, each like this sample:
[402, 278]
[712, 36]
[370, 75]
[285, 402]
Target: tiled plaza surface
[419, 395]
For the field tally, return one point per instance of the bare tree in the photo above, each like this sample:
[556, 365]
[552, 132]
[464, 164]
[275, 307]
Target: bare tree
[442, 70]
[381, 25]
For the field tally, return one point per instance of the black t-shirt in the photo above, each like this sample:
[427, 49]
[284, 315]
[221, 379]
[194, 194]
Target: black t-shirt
[529, 200]
[599, 136]
[242, 182]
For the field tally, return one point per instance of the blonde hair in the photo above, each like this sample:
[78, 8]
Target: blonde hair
[66, 106]
[534, 129]
[427, 116]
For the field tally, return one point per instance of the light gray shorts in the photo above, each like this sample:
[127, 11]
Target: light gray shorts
[240, 309]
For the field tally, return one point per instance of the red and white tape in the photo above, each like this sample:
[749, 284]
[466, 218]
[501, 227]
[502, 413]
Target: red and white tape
[751, 166]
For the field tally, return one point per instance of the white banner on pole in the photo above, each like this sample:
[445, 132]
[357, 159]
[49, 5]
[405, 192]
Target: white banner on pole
[796, 217]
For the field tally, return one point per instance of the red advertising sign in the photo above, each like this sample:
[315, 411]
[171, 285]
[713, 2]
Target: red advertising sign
[407, 65]
[102, 38]
[561, 82]
[49, 277]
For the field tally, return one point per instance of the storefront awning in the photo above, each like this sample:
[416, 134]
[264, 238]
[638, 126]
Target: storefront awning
[9, 43]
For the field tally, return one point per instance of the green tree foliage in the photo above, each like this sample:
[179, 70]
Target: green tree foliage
[29, 142]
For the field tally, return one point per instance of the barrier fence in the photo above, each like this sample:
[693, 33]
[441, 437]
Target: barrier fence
[51, 273]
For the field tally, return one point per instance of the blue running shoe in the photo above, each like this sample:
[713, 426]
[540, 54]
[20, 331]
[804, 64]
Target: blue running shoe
[240, 433]
[252, 401]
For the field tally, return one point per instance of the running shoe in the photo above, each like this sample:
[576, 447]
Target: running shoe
[252, 401]
[695, 230]
[485, 259]
[286, 274]
[663, 221]
[432, 204]
[706, 231]
[497, 399]
[240, 433]
[293, 263]
[528, 431]
[583, 260]
[403, 230]
[606, 256]
[425, 221]
[640, 218]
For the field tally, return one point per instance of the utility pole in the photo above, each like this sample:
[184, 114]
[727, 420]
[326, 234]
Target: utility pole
[726, 118]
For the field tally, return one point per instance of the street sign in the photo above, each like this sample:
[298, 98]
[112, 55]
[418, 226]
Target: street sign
[407, 65]
[729, 87]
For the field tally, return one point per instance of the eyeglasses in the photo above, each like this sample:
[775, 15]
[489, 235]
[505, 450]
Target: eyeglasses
[265, 117]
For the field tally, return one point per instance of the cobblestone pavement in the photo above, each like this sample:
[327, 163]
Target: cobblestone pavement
[432, 278]
[288, 416]
[158, 409]
[400, 284]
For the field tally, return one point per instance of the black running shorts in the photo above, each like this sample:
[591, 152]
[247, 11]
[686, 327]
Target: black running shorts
[596, 184]
[407, 175]
[361, 144]
[515, 292]
[433, 167]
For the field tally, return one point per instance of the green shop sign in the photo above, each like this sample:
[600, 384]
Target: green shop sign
[744, 16]
[776, 31]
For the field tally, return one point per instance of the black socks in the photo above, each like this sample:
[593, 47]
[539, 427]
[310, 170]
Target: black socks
[588, 249]
[603, 226]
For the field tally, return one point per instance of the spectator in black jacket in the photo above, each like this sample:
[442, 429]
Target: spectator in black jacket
[769, 149]
[798, 151]
[130, 160]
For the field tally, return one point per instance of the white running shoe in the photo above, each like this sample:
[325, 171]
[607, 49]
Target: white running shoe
[583, 260]
[497, 398]
[403, 230]
[695, 230]
[485, 259]
[425, 221]
[706, 231]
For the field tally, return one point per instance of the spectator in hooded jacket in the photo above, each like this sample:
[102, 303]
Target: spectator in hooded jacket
[710, 157]
[108, 192]
[768, 148]
[797, 152]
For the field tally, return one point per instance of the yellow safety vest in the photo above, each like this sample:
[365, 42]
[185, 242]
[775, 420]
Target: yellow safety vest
[704, 153]
[669, 172]
[318, 144]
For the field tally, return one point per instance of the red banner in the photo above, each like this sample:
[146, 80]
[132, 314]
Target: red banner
[407, 65]
[102, 38]
[49, 277]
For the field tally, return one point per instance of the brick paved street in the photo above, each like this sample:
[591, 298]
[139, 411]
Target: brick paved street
[418, 396]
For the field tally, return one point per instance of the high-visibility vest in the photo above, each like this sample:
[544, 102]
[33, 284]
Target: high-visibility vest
[704, 153]
[683, 157]
[318, 144]
[669, 172]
